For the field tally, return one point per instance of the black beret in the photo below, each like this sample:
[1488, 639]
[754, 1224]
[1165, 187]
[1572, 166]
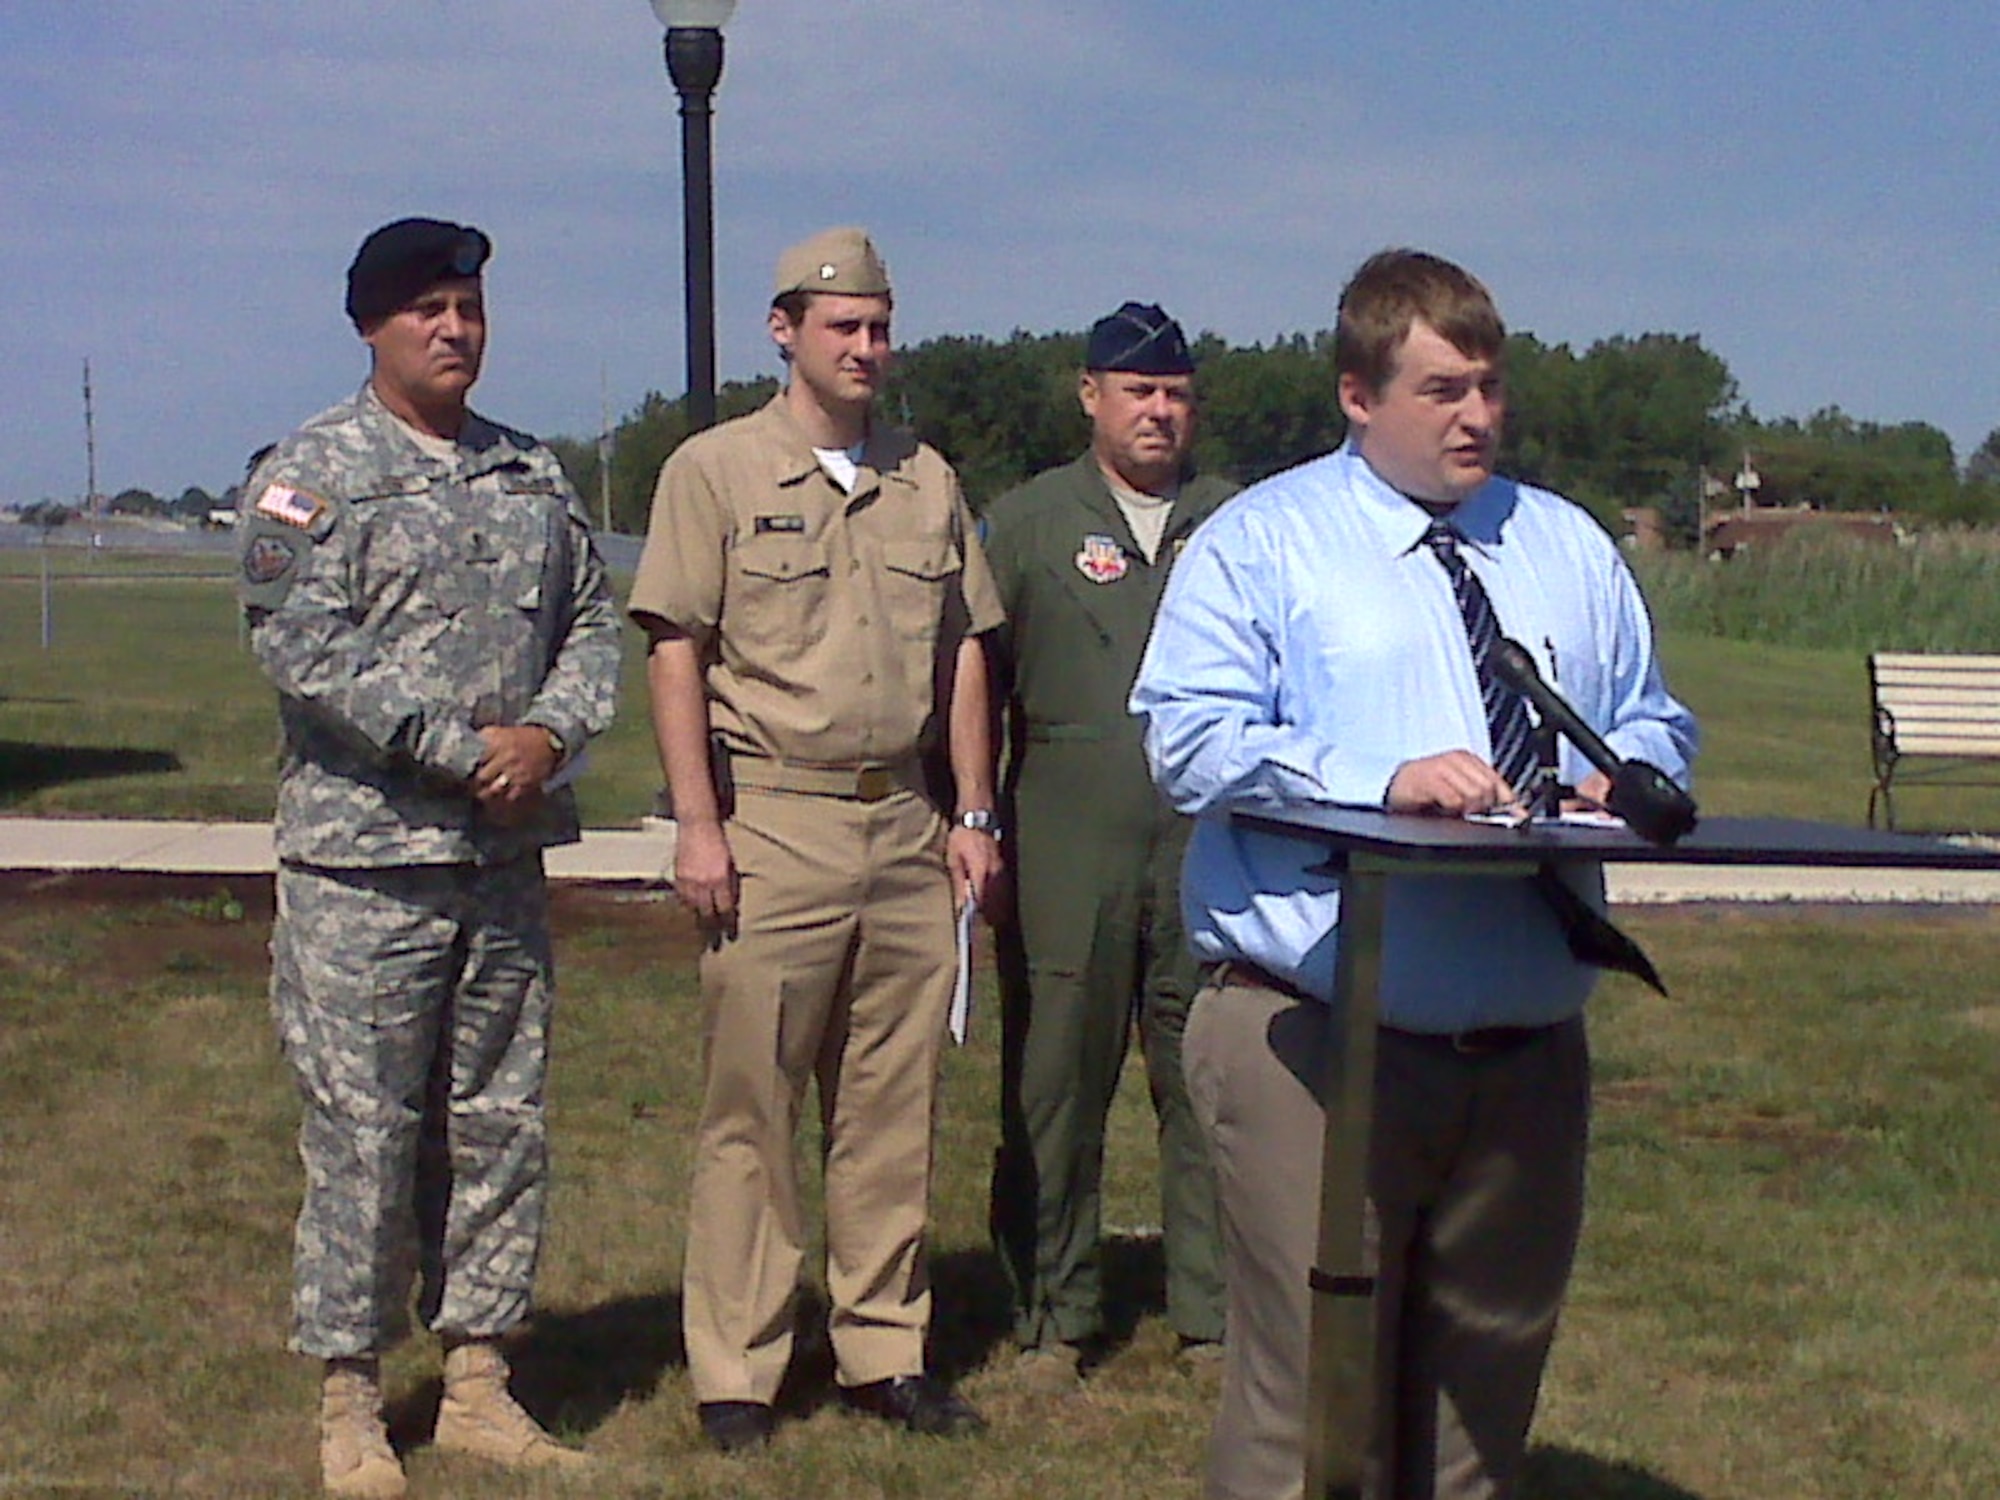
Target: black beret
[399, 262]
[1141, 339]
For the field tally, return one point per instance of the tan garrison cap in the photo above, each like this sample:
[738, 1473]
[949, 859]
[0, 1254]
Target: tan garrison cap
[834, 260]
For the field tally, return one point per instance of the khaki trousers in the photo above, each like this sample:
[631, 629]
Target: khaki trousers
[1476, 1200]
[840, 972]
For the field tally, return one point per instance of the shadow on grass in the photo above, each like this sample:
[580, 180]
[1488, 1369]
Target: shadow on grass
[1565, 1474]
[572, 1370]
[974, 1307]
[970, 1316]
[26, 767]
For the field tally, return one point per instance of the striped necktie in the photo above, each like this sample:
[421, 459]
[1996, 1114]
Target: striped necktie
[1507, 722]
[1592, 938]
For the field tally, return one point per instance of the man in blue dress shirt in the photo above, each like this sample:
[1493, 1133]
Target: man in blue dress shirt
[1311, 650]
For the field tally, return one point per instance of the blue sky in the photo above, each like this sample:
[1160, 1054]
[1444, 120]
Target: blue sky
[1810, 188]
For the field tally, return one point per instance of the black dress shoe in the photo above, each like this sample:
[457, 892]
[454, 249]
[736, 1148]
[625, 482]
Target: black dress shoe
[916, 1402]
[735, 1426]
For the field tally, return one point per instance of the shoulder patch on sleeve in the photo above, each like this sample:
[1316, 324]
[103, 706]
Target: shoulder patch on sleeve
[267, 559]
[294, 507]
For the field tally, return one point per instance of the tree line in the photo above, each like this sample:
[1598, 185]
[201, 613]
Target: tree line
[1652, 420]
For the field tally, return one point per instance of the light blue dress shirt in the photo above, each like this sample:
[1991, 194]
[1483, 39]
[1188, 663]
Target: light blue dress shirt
[1308, 645]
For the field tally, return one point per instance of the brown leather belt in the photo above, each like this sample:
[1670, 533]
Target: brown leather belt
[854, 783]
[1479, 1041]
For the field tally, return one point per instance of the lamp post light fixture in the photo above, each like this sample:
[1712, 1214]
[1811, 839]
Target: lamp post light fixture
[694, 63]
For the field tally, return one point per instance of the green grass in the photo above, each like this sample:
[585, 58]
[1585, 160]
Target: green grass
[147, 703]
[1785, 1288]
[148, 706]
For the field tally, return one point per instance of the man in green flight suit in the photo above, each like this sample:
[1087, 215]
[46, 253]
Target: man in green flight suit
[1081, 554]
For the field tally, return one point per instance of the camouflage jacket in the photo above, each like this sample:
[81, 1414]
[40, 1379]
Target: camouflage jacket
[399, 602]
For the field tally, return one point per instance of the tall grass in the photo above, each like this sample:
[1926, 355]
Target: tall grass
[1940, 591]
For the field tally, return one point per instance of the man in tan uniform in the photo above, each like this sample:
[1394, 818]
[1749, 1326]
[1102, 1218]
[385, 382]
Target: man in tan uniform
[813, 592]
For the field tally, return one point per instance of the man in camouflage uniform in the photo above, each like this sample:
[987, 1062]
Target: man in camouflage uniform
[1081, 554]
[423, 592]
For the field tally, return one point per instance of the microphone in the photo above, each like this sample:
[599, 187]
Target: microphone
[1652, 804]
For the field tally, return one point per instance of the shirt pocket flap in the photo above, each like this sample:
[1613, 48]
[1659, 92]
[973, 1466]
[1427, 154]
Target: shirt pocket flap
[780, 557]
[931, 559]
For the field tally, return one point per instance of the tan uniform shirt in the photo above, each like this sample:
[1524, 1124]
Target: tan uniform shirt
[826, 621]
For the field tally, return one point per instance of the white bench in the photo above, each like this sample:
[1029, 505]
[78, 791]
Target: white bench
[1941, 710]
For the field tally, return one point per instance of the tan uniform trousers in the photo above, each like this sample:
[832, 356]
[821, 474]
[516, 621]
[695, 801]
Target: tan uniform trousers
[840, 971]
[1475, 1203]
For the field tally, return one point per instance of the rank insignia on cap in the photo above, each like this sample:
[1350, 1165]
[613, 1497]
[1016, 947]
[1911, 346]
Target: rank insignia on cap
[297, 508]
[828, 270]
[1102, 560]
[266, 559]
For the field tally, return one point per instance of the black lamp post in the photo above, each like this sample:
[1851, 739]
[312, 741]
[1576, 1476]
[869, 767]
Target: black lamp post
[694, 63]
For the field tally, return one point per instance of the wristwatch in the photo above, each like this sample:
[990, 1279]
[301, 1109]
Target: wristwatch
[981, 820]
[555, 742]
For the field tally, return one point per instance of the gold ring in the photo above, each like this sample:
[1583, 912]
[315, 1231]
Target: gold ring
[503, 781]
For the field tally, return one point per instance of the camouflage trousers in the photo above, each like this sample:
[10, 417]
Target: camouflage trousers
[413, 1006]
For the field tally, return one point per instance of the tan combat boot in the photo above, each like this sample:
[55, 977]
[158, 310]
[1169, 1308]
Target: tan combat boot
[478, 1416]
[355, 1459]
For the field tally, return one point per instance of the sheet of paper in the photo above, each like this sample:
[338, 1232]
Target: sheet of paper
[960, 1017]
[1581, 817]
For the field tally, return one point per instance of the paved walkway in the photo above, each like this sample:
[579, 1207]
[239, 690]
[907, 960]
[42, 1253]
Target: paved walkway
[638, 855]
[642, 856]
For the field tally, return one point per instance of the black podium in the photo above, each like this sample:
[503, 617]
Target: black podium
[1366, 846]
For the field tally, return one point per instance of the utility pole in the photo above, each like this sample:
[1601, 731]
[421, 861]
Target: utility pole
[89, 447]
[605, 449]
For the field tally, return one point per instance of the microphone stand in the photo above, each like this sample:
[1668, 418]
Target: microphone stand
[1651, 802]
[1545, 788]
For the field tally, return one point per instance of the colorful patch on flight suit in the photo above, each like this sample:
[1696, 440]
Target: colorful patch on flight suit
[1102, 560]
[766, 525]
[267, 558]
[298, 508]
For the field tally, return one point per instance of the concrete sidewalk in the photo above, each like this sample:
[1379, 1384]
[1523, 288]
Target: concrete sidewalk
[643, 855]
[640, 856]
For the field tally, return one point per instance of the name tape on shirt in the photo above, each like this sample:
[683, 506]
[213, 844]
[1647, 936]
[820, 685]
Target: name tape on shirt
[280, 502]
[768, 524]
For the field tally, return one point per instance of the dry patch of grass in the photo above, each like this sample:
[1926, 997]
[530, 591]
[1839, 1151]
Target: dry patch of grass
[1786, 1287]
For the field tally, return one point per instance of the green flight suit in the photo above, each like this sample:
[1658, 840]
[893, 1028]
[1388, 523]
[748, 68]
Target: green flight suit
[1097, 942]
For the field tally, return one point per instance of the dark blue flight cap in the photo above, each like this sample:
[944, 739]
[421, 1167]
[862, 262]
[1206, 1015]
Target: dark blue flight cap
[1140, 339]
